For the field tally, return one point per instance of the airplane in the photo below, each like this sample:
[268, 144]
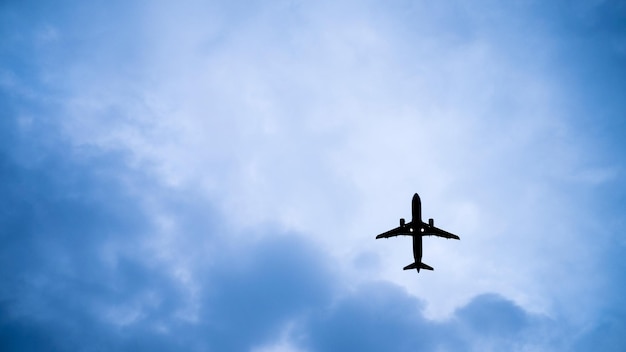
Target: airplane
[417, 228]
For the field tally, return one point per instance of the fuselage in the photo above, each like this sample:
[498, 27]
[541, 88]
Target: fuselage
[417, 229]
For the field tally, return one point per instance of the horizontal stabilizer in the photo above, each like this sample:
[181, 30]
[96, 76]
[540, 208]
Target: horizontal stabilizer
[421, 266]
[411, 266]
[427, 267]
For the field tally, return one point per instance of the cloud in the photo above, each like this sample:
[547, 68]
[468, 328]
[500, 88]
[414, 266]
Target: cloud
[492, 315]
[374, 317]
[160, 163]
[88, 264]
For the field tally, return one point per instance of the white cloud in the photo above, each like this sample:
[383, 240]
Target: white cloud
[326, 122]
[283, 344]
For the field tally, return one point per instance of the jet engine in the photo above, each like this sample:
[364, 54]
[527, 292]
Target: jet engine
[402, 223]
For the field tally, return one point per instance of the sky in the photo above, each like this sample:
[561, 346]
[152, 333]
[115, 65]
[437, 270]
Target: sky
[211, 175]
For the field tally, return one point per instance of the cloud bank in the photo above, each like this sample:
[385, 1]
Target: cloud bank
[210, 176]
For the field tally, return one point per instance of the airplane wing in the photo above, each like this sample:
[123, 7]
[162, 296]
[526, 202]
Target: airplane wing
[396, 232]
[435, 231]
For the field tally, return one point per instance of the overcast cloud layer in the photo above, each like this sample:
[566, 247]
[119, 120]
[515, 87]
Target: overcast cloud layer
[210, 176]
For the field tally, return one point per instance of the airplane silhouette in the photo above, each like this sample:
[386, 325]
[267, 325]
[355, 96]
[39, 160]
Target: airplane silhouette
[417, 228]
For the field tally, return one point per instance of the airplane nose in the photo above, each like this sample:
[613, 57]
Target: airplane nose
[417, 202]
[416, 208]
[416, 199]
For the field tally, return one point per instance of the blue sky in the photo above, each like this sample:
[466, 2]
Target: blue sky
[210, 176]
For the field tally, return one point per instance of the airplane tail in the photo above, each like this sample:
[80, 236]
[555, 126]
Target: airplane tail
[421, 266]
